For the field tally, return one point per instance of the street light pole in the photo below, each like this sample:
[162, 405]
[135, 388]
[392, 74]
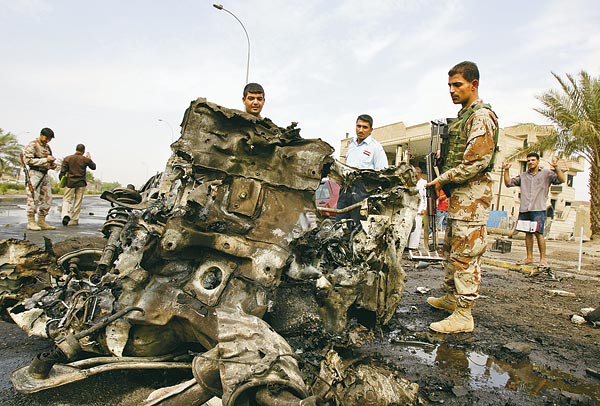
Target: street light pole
[220, 7]
[170, 127]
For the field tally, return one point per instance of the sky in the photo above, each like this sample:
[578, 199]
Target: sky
[117, 76]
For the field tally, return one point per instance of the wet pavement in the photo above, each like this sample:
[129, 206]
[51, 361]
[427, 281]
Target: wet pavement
[13, 219]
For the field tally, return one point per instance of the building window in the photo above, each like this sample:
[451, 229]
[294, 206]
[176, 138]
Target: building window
[570, 180]
[524, 166]
[567, 204]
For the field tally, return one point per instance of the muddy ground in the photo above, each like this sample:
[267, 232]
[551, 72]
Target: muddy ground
[474, 368]
[552, 364]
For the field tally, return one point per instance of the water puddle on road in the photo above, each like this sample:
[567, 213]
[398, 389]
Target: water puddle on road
[10, 207]
[93, 208]
[478, 370]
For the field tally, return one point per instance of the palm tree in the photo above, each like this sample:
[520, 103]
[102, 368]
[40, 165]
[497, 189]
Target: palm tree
[9, 151]
[575, 111]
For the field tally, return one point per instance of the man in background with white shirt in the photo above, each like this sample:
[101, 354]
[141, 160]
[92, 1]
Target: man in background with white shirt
[415, 235]
[363, 153]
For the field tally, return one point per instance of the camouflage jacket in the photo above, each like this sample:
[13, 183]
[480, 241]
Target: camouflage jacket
[469, 182]
[35, 156]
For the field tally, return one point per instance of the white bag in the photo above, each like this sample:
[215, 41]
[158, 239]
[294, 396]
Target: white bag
[527, 226]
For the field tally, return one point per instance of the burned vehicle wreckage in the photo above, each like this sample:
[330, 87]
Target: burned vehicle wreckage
[221, 266]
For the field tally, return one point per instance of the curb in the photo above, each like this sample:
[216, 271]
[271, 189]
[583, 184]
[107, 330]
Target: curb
[526, 269]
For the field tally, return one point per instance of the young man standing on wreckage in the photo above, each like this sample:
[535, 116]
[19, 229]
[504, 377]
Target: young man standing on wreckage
[467, 182]
[254, 99]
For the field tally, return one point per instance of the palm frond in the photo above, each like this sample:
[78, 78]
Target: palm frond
[574, 109]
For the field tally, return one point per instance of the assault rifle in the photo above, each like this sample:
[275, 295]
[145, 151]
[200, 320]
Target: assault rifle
[431, 202]
[438, 147]
[433, 161]
[26, 171]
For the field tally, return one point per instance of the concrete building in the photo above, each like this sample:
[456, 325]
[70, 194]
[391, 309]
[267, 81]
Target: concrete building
[413, 143]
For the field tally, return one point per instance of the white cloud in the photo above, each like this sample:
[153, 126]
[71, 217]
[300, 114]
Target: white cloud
[28, 7]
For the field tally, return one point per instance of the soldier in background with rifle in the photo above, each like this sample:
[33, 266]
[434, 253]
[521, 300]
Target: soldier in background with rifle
[38, 159]
[466, 180]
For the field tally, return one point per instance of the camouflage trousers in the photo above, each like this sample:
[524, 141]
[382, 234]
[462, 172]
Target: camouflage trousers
[41, 199]
[464, 245]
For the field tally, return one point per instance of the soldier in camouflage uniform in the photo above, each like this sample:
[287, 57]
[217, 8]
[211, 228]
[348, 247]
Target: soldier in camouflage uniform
[38, 157]
[466, 180]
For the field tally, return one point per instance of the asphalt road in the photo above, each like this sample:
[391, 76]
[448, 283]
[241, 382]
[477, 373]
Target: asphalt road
[13, 219]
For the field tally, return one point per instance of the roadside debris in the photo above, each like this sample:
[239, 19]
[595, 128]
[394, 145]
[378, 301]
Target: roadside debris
[587, 315]
[592, 372]
[518, 348]
[220, 266]
[592, 316]
[564, 293]
[542, 272]
[422, 265]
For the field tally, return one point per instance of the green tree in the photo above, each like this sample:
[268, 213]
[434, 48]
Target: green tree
[110, 185]
[575, 111]
[9, 152]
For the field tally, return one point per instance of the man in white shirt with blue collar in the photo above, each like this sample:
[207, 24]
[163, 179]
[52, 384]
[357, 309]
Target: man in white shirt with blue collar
[363, 153]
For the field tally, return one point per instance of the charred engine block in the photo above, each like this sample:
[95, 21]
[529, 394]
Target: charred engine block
[228, 235]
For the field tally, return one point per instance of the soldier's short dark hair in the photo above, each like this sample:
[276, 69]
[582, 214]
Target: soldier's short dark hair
[535, 154]
[47, 132]
[80, 148]
[253, 88]
[467, 69]
[367, 118]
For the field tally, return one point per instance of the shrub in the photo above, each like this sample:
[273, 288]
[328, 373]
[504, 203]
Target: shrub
[11, 188]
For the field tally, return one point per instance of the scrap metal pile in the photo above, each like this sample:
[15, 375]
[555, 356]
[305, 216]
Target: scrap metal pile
[221, 266]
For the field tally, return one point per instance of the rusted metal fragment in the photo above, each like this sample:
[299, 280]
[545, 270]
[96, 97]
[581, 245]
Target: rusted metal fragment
[362, 382]
[251, 355]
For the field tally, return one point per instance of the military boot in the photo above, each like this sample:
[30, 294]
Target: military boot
[460, 321]
[31, 224]
[43, 225]
[446, 302]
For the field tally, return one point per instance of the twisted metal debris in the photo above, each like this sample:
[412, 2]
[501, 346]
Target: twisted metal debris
[214, 262]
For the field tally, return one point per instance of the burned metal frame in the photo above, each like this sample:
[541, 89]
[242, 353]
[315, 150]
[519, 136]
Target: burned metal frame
[199, 260]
